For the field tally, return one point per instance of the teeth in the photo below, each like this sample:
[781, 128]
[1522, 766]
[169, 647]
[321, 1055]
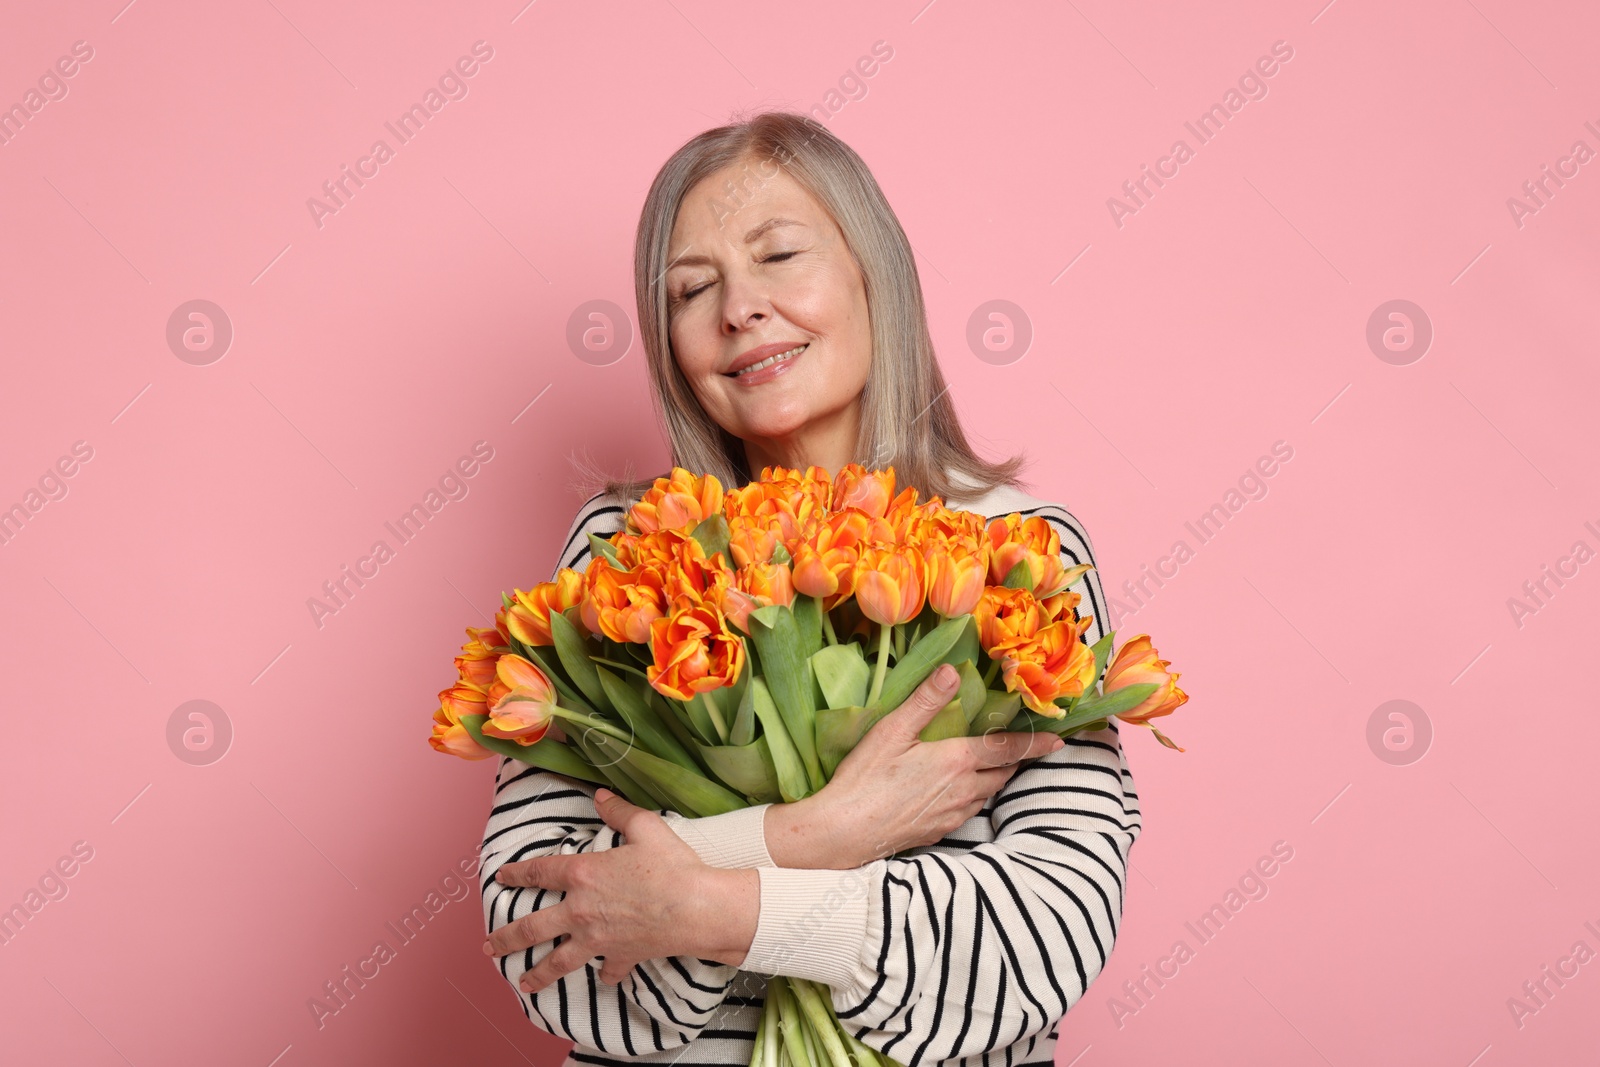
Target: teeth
[779, 358]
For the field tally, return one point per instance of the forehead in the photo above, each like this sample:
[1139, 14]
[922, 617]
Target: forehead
[739, 205]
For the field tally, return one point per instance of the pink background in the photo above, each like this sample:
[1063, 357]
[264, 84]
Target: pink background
[1229, 313]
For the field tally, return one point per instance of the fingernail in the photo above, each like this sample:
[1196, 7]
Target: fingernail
[602, 793]
[1057, 745]
[945, 676]
[488, 949]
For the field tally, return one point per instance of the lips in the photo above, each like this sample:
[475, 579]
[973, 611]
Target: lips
[759, 360]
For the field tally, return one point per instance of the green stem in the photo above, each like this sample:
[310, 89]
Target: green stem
[989, 675]
[629, 667]
[883, 664]
[817, 1004]
[827, 624]
[716, 717]
[591, 722]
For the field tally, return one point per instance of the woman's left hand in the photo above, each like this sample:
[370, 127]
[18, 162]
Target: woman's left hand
[650, 897]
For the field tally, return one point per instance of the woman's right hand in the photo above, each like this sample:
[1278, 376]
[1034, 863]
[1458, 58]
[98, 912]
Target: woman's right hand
[894, 791]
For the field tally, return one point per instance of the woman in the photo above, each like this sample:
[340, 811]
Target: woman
[783, 321]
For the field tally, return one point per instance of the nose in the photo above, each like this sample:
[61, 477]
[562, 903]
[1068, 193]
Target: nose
[744, 302]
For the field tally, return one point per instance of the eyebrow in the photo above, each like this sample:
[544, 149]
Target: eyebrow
[750, 237]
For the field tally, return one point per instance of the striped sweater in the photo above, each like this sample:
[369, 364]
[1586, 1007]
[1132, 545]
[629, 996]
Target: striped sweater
[968, 950]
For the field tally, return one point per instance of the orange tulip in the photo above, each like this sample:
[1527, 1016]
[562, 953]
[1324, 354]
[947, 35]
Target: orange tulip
[825, 561]
[955, 578]
[529, 617]
[870, 492]
[452, 738]
[475, 664]
[521, 701]
[1138, 662]
[622, 604]
[1054, 663]
[890, 584]
[1033, 540]
[693, 651]
[1007, 617]
[750, 543]
[756, 586]
[679, 501]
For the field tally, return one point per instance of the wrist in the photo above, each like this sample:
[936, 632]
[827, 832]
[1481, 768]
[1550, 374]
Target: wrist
[805, 834]
[730, 909]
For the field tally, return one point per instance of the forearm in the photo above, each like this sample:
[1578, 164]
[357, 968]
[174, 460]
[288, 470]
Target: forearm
[730, 908]
[802, 835]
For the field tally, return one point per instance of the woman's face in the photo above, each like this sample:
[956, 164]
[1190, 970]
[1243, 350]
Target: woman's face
[768, 313]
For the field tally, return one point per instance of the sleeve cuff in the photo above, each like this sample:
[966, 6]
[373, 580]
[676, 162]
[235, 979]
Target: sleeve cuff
[733, 839]
[813, 924]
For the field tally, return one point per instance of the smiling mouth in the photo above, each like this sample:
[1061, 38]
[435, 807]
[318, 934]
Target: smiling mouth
[770, 361]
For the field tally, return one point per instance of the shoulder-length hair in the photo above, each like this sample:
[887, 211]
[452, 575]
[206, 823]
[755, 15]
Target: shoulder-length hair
[907, 418]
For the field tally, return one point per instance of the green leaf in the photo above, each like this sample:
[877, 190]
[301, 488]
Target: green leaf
[547, 752]
[746, 768]
[1020, 576]
[951, 721]
[632, 785]
[972, 691]
[546, 660]
[1125, 699]
[607, 763]
[505, 599]
[602, 548]
[686, 792]
[792, 781]
[744, 720]
[670, 714]
[699, 717]
[998, 712]
[647, 729]
[788, 678]
[713, 536]
[839, 730]
[920, 659]
[843, 674]
[574, 656]
[808, 623]
[1102, 652]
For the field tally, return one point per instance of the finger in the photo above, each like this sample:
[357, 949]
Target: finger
[615, 971]
[1000, 747]
[926, 701]
[567, 957]
[534, 928]
[545, 872]
[992, 779]
[614, 809]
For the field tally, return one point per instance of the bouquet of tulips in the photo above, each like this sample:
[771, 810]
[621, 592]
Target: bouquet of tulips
[729, 648]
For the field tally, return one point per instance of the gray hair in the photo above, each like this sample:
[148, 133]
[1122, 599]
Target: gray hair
[907, 418]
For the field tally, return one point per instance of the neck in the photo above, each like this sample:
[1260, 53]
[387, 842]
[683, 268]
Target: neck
[829, 443]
